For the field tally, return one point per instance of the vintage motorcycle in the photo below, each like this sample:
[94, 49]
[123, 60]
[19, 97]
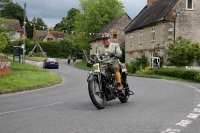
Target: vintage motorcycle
[102, 85]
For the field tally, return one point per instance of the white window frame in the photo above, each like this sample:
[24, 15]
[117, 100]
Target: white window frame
[187, 4]
[153, 33]
[131, 39]
[140, 37]
[131, 58]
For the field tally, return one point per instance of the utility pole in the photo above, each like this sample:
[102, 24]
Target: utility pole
[23, 46]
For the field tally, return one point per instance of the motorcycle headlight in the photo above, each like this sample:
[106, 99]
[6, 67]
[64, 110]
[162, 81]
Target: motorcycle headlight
[89, 73]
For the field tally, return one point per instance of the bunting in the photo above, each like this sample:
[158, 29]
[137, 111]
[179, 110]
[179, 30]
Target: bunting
[64, 31]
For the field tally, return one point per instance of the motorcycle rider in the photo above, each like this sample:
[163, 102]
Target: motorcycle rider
[69, 58]
[110, 49]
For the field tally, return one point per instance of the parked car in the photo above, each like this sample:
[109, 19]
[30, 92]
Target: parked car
[50, 63]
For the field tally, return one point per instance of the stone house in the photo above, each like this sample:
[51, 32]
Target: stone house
[12, 28]
[44, 35]
[115, 28]
[157, 24]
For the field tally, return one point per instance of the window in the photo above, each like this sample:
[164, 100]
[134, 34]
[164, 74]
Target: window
[49, 39]
[115, 35]
[131, 58]
[140, 37]
[153, 33]
[189, 4]
[131, 40]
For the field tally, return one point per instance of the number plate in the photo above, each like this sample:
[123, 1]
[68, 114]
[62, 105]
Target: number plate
[96, 67]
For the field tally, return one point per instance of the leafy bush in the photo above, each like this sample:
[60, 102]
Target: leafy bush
[147, 70]
[182, 52]
[138, 64]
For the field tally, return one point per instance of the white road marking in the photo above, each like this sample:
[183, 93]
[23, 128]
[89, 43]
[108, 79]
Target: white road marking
[184, 123]
[198, 90]
[193, 116]
[14, 111]
[190, 86]
[198, 105]
[184, 84]
[197, 110]
[171, 131]
[38, 63]
[82, 74]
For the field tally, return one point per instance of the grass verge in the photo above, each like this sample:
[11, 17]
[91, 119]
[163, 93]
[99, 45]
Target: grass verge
[82, 65]
[26, 77]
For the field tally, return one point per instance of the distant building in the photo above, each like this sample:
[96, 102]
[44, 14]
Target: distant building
[158, 23]
[115, 28]
[12, 28]
[44, 35]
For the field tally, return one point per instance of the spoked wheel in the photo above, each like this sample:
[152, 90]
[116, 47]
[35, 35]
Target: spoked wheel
[97, 97]
[126, 93]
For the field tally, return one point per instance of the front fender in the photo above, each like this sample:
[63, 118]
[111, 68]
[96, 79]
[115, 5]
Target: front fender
[90, 76]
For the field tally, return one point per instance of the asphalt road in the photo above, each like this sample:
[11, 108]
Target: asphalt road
[158, 106]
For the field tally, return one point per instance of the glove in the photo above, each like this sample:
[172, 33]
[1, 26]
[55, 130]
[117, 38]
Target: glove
[112, 55]
[115, 55]
[89, 64]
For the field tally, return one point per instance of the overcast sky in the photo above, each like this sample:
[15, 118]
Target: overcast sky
[52, 11]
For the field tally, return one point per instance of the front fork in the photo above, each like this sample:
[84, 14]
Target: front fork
[90, 78]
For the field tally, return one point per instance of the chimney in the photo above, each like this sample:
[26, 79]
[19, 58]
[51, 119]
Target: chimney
[150, 1]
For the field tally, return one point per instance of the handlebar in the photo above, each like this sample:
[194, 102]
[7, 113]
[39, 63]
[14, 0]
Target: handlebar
[95, 58]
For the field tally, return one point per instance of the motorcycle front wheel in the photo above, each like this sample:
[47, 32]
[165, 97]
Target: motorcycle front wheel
[126, 92]
[97, 96]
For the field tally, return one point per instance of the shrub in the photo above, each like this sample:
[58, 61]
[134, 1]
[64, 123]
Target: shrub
[147, 70]
[178, 73]
[197, 77]
[138, 64]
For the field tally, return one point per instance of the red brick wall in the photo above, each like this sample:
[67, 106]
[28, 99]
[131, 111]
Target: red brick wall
[4, 65]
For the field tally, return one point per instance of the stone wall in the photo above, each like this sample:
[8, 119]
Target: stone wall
[4, 65]
[163, 35]
[188, 21]
[118, 27]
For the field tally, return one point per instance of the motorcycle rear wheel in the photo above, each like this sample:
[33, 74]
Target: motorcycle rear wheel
[97, 97]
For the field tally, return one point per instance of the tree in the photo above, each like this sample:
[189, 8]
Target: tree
[3, 3]
[96, 14]
[182, 52]
[68, 23]
[13, 11]
[3, 42]
[39, 23]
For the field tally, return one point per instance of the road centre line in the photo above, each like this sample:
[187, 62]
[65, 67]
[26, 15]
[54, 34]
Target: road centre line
[197, 110]
[168, 130]
[14, 111]
[193, 116]
[185, 123]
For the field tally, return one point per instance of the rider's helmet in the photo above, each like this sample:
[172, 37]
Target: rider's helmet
[106, 35]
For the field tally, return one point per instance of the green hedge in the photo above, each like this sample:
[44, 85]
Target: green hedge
[58, 49]
[178, 73]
